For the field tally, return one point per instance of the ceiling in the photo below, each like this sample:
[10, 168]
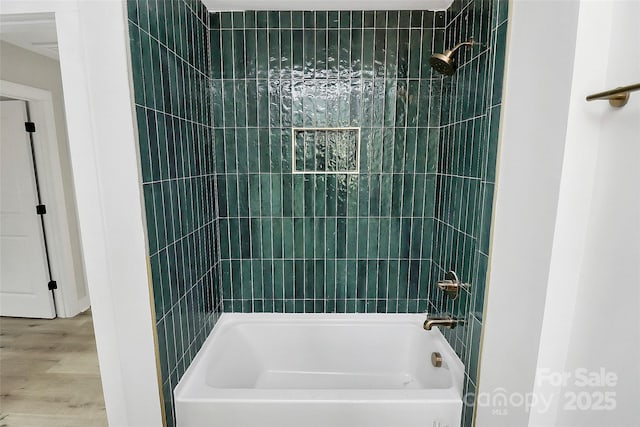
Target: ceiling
[35, 32]
[223, 5]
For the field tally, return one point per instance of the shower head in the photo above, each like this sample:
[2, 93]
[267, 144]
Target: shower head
[444, 62]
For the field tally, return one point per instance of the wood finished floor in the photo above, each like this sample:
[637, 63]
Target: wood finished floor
[49, 373]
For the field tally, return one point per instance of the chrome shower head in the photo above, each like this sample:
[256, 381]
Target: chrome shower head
[444, 62]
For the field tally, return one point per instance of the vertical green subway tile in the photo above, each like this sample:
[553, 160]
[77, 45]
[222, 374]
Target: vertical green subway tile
[487, 205]
[274, 53]
[372, 243]
[262, 62]
[361, 289]
[226, 37]
[254, 195]
[251, 54]
[429, 205]
[267, 279]
[341, 195]
[299, 279]
[399, 149]
[264, 150]
[229, 108]
[382, 279]
[331, 195]
[297, 43]
[265, 194]
[320, 196]
[332, 54]
[372, 280]
[288, 238]
[374, 195]
[287, 195]
[350, 289]
[393, 19]
[309, 183]
[319, 237]
[352, 236]
[433, 150]
[340, 290]
[286, 102]
[414, 281]
[363, 195]
[298, 195]
[330, 237]
[234, 239]
[333, 19]
[419, 193]
[396, 195]
[151, 218]
[267, 236]
[352, 195]
[331, 290]
[363, 236]
[274, 104]
[243, 196]
[276, 197]
[297, 19]
[247, 283]
[379, 68]
[405, 237]
[309, 279]
[407, 194]
[368, 52]
[298, 235]
[262, 19]
[369, 19]
[492, 145]
[319, 279]
[278, 279]
[309, 231]
[256, 238]
[344, 53]
[239, 65]
[341, 238]
[289, 279]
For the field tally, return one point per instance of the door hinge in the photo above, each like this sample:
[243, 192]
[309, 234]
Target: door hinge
[41, 209]
[29, 127]
[53, 285]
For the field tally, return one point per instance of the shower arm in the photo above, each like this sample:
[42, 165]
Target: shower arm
[469, 43]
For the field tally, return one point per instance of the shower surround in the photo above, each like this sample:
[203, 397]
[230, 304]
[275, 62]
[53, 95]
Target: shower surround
[231, 227]
[327, 242]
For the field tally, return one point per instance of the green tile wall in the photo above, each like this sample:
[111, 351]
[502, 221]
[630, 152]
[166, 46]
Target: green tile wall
[466, 170]
[170, 67]
[337, 242]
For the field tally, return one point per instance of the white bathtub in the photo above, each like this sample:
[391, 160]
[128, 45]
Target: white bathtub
[329, 370]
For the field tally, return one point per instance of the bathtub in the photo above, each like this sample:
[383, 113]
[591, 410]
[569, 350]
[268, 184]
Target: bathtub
[329, 370]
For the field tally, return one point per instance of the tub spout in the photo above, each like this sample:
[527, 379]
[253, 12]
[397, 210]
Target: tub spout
[441, 321]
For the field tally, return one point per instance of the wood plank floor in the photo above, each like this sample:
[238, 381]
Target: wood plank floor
[49, 373]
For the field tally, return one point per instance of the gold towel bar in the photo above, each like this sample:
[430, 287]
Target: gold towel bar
[617, 97]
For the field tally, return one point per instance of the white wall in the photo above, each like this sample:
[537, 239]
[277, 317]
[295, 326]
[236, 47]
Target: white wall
[567, 217]
[591, 318]
[21, 66]
[93, 45]
[533, 129]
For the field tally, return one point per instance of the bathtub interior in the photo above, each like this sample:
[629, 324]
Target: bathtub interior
[324, 352]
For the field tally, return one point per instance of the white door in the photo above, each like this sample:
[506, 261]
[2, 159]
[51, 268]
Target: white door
[24, 276]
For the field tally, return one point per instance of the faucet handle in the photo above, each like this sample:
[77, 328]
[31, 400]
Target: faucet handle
[451, 285]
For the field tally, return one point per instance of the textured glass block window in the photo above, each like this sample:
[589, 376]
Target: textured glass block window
[326, 150]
